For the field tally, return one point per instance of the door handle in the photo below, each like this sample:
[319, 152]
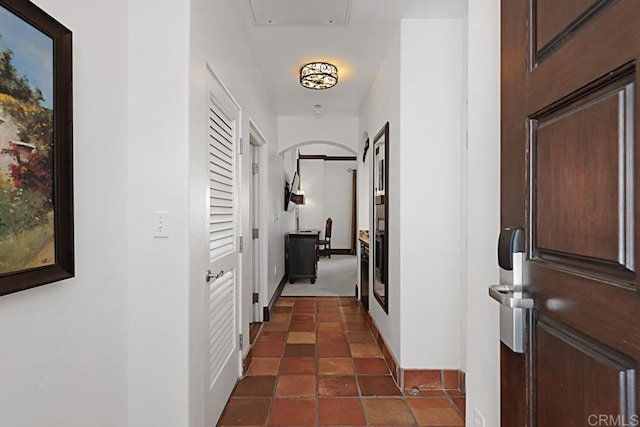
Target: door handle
[210, 276]
[505, 295]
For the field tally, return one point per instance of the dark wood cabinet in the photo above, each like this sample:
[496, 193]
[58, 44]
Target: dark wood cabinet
[302, 258]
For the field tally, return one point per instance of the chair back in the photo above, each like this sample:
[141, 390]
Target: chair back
[327, 229]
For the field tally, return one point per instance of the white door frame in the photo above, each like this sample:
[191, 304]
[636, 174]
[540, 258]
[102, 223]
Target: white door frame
[257, 138]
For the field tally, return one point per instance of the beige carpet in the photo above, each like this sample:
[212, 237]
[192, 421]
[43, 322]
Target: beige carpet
[336, 277]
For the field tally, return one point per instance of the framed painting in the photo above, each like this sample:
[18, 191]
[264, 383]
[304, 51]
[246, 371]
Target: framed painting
[36, 181]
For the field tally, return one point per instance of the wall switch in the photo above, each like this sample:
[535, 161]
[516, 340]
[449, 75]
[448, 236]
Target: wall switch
[478, 419]
[161, 224]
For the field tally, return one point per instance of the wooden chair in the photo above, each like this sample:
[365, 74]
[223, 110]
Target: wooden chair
[326, 242]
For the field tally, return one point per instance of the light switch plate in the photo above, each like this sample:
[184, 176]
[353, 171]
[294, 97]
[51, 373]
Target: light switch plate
[160, 224]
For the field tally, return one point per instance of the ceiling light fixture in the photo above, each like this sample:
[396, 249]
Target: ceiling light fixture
[318, 75]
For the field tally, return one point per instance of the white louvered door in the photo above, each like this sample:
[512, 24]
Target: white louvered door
[222, 249]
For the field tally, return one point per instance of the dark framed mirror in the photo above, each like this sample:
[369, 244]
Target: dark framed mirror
[380, 242]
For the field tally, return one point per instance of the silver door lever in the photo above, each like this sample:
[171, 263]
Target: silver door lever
[210, 276]
[505, 295]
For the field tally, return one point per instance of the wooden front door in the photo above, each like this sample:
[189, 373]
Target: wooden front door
[569, 179]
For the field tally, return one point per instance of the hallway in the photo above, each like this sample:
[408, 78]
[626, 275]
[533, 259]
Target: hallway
[317, 363]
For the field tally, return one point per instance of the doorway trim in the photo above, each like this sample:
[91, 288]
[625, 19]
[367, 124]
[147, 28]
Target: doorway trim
[257, 138]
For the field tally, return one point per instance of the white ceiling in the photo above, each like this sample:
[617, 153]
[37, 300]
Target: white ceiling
[357, 48]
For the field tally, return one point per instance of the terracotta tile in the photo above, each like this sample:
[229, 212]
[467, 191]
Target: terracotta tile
[293, 412]
[331, 302]
[351, 309]
[327, 317]
[307, 310]
[330, 326]
[280, 317]
[305, 302]
[324, 336]
[435, 412]
[378, 385]
[361, 337]
[335, 366]
[337, 385]
[300, 350]
[388, 412]
[263, 366]
[455, 393]
[275, 326]
[302, 327]
[261, 386]
[245, 412]
[354, 317]
[333, 349]
[272, 336]
[328, 310]
[303, 317]
[371, 366]
[283, 309]
[356, 326]
[296, 386]
[364, 350]
[428, 379]
[301, 338]
[461, 404]
[342, 411]
[426, 393]
[285, 302]
[298, 365]
[450, 378]
[267, 349]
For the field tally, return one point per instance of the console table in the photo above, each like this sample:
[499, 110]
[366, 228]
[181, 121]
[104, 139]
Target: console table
[302, 255]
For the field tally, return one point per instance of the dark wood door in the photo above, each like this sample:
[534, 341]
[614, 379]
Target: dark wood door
[569, 179]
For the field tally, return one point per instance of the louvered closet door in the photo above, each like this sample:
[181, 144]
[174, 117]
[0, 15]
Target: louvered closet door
[222, 251]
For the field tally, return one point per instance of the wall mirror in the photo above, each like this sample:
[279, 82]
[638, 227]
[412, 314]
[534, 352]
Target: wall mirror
[380, 242]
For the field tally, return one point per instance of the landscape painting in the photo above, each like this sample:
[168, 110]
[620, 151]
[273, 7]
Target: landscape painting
[26, 146]
[35, 148]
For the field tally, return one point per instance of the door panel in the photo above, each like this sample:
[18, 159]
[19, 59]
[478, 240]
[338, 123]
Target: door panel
[582, 377]
[568, 176]
[554, 21]
[581, 169]
[221, 304]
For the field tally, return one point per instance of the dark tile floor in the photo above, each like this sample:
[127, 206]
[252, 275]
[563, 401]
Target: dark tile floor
[317, 364]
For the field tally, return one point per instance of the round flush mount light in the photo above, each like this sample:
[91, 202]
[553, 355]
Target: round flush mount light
[318, 75]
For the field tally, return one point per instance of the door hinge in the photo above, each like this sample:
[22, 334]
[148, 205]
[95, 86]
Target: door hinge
[255, 233]
[241, 143]
[255, 297]
[240, 244]
[255, 168]
[241, 341]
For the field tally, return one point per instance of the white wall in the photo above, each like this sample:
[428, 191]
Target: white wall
[430, 192]
[382, 105]
[419, 91]
[483, 201]
[326, 149]
[328, 192]
[158, 369]
[312, 183]
[295, 130]
[63, 351]
[364, 209]
[338, 201]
